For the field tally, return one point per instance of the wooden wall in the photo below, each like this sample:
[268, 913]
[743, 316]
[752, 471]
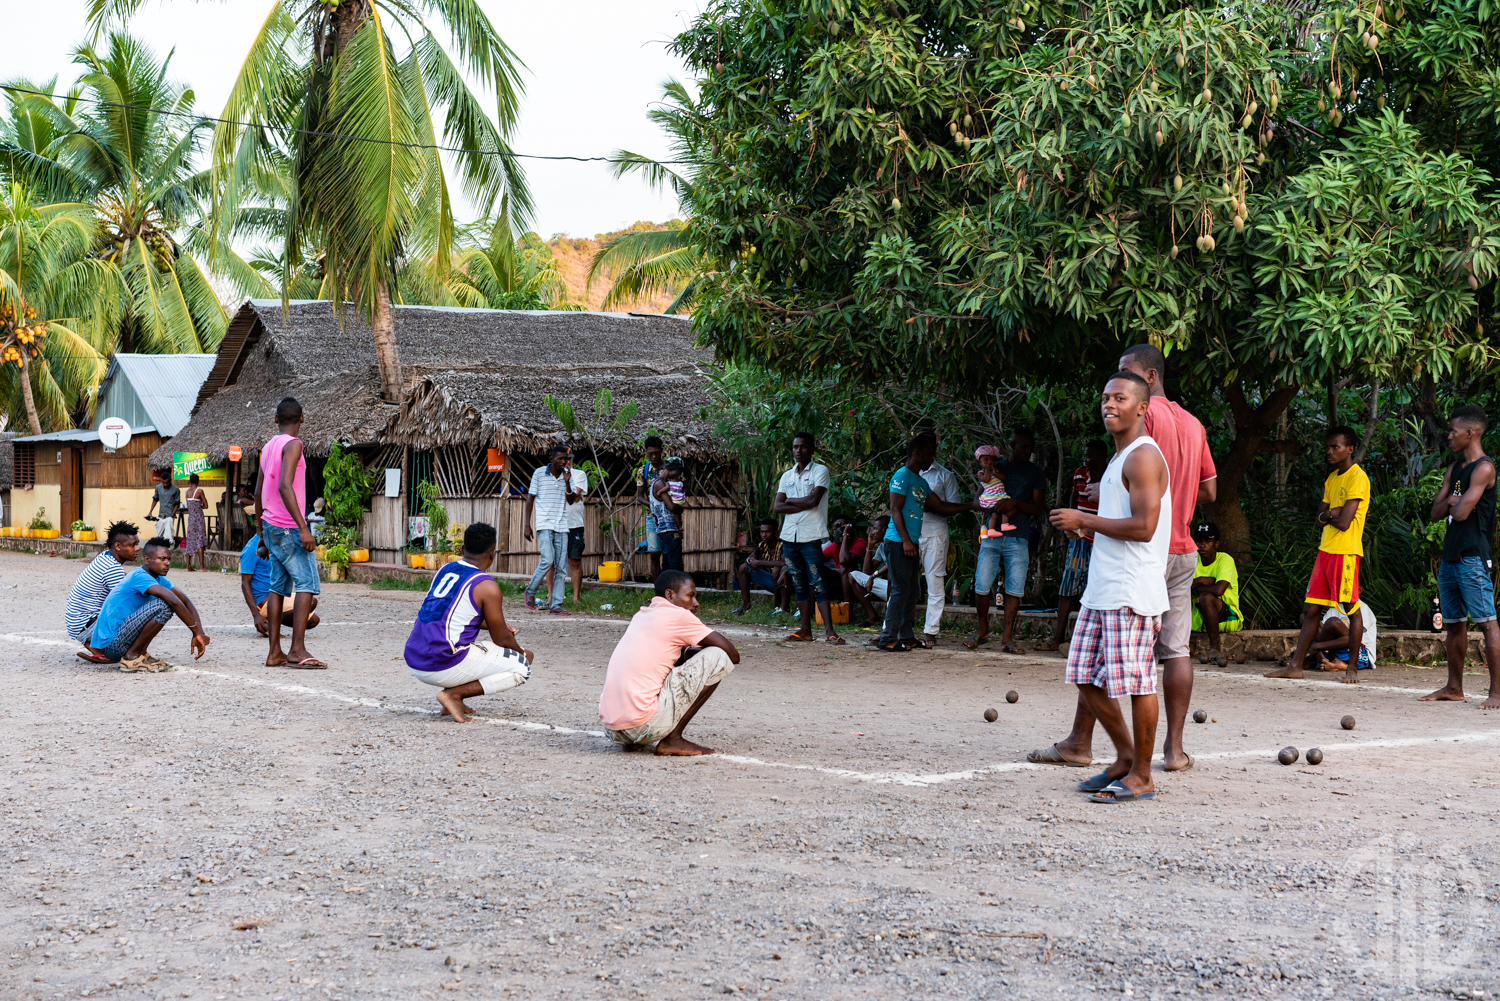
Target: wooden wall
[125, 469]
[709, 529]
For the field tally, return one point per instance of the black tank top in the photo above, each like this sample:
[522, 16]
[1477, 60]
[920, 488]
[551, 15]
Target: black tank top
[1470, 537]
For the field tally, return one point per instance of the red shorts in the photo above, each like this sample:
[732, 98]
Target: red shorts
[1335, 581]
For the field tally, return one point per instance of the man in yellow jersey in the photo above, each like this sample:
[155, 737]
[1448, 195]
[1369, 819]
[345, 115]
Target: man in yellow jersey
[1335, 576]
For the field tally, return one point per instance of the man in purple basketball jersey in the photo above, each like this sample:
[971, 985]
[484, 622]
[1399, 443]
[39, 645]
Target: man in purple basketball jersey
[444, 648]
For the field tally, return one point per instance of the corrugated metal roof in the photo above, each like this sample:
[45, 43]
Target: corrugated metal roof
[166, 387]
[77, 434]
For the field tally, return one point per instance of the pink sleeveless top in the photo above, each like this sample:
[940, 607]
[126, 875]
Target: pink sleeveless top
[275, 511]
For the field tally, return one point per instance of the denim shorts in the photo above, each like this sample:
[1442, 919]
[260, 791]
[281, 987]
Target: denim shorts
[1465, 590]
[804, 561]
[653, 541]
[292, 567]
[1011, 551]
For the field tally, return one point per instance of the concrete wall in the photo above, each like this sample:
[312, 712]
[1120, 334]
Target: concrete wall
[24, 505]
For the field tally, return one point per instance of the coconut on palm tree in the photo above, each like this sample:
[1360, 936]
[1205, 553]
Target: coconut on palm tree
[59, 305]
[357, 119]
[651, 262]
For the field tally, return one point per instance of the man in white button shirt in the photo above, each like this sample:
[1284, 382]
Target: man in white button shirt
[580, 481]
[802, 496]
[551, 492]
[934, 547]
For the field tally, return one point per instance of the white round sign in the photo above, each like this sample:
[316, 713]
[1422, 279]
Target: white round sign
[114, 432]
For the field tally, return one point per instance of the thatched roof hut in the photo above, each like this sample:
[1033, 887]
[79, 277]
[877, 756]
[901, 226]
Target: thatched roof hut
[470, 374]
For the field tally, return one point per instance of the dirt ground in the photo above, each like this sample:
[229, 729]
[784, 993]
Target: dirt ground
[228, 830]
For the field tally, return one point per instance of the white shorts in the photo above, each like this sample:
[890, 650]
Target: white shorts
[879, 587]
[496, 668]
[708, 666]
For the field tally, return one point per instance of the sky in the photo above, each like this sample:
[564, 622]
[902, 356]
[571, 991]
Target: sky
[593, 69]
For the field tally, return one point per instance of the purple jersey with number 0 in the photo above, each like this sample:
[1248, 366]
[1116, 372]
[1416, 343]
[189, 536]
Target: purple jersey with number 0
[449, 620]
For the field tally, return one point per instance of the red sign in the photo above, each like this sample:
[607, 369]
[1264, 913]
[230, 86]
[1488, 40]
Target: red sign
[496, 461]
[235, 453]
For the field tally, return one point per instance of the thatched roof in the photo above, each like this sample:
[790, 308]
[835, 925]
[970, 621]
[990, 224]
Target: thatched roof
[497, 364]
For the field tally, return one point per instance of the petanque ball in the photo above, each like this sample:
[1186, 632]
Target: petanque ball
[1200, 716]
[1347, 722]
[1012, 695]
[1314, 756]
[1288, 755]
[990, 715]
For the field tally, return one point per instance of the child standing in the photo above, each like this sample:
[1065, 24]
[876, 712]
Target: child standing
[991, 492]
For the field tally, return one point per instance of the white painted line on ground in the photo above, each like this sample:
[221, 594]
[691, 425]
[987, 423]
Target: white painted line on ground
[1316, 683]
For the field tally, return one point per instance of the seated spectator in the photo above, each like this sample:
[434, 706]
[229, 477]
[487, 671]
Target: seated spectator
[860, 584]
[445, 650]
[1216, 592]
[1332, 643]
[136, 610]
[99, 578]
[765, 570]
[834, 569]
[663, 670]
[255, 584]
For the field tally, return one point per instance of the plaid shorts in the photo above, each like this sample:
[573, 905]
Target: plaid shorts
[1114, 650]
[1076, 568]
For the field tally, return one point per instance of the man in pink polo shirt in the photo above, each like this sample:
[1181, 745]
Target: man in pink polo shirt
[1194, 481]
[662, 671]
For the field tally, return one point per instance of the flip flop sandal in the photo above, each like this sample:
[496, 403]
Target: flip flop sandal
[1045, 647]
[92, 658]
[1009, 648]
[798, 638]
[892, 647]
[310, 664]
[135, 665]
[1051, 756]
[1115, 792]
[1098, 782]
[975, 641]
[1181, 768]
[835, 640]
[156, 663]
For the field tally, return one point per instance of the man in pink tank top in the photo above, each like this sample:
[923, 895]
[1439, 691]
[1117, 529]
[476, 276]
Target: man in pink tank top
[286, 542]
[1184, 444]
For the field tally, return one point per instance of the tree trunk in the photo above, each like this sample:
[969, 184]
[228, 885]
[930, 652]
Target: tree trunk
[36, 424]
[1251, 426]
[1369, 436]
[385, 346]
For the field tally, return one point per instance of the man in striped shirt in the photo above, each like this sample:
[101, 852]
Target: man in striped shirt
[98, 579]
[551, 492]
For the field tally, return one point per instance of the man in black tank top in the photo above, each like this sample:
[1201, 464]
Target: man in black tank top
[1466, 592]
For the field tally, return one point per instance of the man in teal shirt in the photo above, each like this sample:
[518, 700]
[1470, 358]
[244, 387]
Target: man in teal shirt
[910, 495]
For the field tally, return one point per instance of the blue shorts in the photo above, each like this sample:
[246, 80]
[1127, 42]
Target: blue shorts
[762, 580]
[1011, 551]
[1465, 590]
[653, 541]
[292, 567]
[1076, 568]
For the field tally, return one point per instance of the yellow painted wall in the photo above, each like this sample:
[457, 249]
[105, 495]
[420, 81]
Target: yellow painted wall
[24, 505]
[105, 506]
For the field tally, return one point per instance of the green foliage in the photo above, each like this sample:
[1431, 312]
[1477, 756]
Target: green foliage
[40, 520]
[954, 190]
[81, 526]
[336, 555]
[346, 488]
[436, 515]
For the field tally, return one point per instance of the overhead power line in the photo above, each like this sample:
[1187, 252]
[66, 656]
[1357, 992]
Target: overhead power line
[508, 154]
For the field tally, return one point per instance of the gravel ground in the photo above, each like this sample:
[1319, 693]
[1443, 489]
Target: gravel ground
[228, 830]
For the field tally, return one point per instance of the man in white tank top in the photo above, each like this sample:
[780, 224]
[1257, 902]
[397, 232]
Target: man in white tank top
[1113, 650]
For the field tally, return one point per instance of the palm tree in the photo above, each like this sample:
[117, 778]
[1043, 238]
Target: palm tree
[649, 262]
[59, 305]
[101, 144]
[490, 270]
[328, 90]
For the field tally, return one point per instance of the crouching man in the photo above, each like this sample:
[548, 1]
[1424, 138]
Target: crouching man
[255, 587]
[444, 648]
[136, 610]
[665, 667]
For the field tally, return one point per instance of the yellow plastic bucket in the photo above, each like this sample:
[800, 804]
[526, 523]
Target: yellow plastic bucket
[612, 571]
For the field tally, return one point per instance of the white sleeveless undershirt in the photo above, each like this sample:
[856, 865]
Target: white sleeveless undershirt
[1129, 574]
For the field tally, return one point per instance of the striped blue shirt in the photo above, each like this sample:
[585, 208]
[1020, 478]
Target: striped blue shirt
[99, 578]
[551, 499]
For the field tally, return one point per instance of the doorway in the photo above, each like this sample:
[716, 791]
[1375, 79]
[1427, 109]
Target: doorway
[70, 480]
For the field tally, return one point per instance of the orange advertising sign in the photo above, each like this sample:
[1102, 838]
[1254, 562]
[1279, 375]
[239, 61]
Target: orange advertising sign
[496, 461]
[235, 453]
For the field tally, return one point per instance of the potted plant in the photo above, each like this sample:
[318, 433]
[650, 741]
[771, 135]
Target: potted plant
[338, 562]
[415, 557]
[453, 544]
[40, 527]
[437, 524]
[82, 532]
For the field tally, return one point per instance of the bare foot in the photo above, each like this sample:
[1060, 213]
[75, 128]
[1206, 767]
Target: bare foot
[276, 660]
[453, 706]
[1351, 676]
[1179, 761]
[468, 710]
[1286, 672]
[1450, 694]
[681, 746]
[1493, 702]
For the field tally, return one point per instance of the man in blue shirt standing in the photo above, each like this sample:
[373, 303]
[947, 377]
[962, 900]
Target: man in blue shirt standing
[255, 584]
[910, 495]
